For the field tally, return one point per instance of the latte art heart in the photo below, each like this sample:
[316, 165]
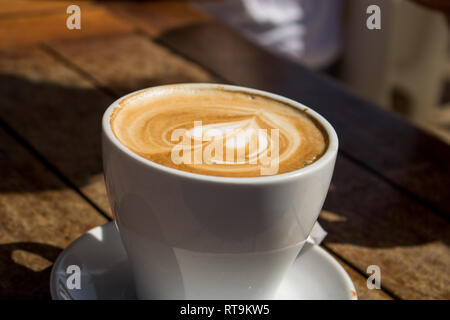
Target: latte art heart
[217, 132]
[229, 143]
[243, 138]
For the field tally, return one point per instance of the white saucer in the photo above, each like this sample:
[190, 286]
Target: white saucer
[105, 273]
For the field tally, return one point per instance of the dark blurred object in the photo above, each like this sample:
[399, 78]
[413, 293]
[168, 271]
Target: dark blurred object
[440, 5]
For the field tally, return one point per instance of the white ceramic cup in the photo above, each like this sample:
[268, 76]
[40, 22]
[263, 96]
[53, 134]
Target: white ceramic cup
[192, 236]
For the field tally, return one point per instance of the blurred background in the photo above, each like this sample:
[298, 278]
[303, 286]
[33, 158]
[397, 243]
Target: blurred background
[404, 67]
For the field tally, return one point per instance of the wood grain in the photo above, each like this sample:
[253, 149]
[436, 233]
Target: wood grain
[30, 29]
[360, 282]
[58, 112]
[39, 216]
[157, 17]
[370, 223]
[16, 8]
[128, 62]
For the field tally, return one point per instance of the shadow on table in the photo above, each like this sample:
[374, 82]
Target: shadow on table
[368, 212]
[20, 282]
[61, 123]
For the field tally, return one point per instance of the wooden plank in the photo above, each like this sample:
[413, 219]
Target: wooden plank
[39, 216]
[59, 113]
[360, 283]
[157, 17]
[30, 29]
[401, 154]
[129, 62]
[15, 8]
[371, 223]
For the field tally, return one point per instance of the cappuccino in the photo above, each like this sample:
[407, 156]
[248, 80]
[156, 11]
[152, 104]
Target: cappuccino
[217, 132]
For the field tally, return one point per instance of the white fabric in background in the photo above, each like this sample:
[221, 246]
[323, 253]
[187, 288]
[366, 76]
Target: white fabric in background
[307, 31]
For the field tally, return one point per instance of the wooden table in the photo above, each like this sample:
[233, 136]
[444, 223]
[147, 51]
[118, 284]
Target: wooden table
[388, 204]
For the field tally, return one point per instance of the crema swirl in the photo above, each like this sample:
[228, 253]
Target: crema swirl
[217, 132]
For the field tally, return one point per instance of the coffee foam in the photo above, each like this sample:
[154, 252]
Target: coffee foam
[145, 123]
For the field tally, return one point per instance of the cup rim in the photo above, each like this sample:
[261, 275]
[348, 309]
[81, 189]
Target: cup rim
[328, 156]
